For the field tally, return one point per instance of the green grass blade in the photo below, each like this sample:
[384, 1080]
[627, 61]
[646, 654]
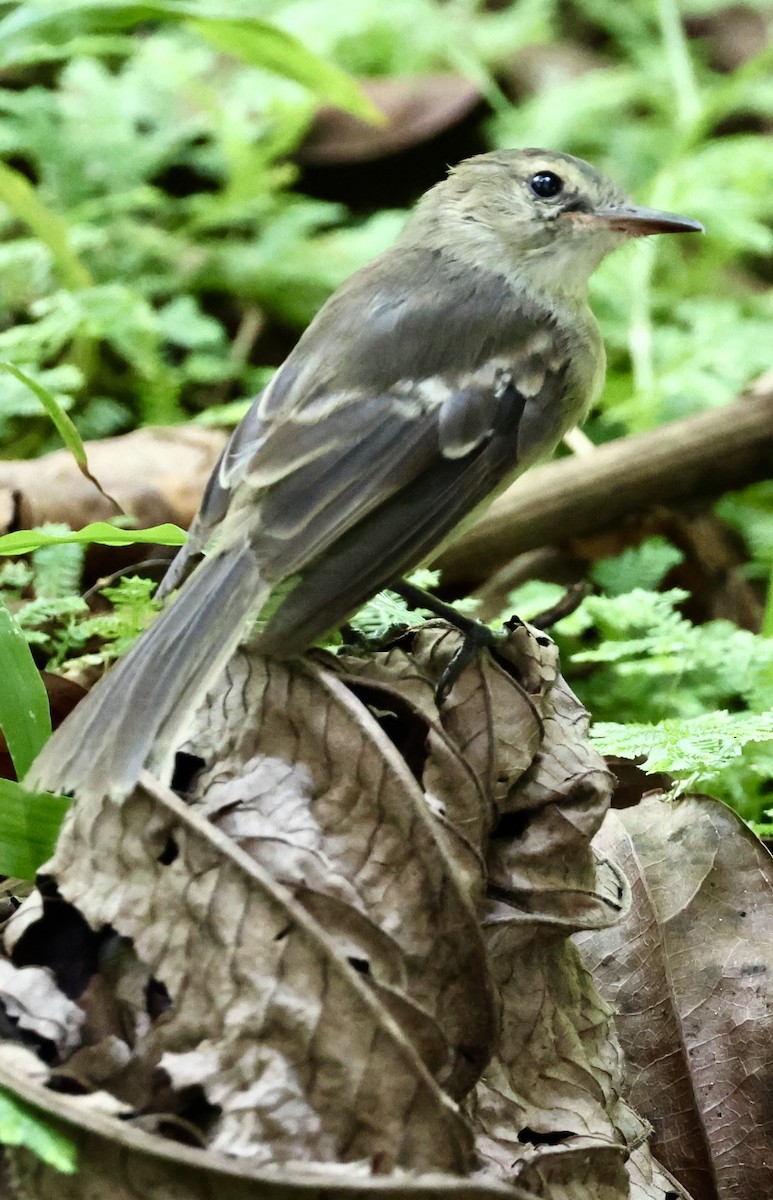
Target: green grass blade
[22, 1125]
[767, 620]
[263, 45]
[24, 541]
[20, 196]
[24, 713]
[64, 426]
[29, 827]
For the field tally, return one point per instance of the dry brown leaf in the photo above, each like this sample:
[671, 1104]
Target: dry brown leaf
[650, 1180]
[416, 108]
[690, 971]
[157, 475]
[304, 778]
[589, 1171]
[278, 1031]
[123, 1162]
[354, 902]
[33, 1002]
[733, 34]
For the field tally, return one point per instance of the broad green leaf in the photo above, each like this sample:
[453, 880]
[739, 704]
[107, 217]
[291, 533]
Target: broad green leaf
[24, 713]
[21, 1125]
[263, 45]
[29, 827]
[64, 426]
[254, 41]
[21, 197]
[24, 541]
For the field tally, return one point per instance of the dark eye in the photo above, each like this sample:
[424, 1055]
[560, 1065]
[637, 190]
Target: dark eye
[546, 185]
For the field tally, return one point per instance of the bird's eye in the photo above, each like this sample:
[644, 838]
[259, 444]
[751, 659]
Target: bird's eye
[546, 185]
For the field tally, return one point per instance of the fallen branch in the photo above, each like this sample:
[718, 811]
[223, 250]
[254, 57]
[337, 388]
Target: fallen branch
[698, 457]
[160, 474]
[156, 475]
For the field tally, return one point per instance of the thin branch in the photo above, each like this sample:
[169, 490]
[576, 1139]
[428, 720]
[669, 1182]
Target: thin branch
[697, 458]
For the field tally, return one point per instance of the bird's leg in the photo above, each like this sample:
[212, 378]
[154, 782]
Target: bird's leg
[416, 597]
[476, 634]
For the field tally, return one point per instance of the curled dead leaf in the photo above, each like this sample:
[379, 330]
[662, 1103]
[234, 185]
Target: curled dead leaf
[690, 971]
[157, 475]
[416, 109]
[339, 938]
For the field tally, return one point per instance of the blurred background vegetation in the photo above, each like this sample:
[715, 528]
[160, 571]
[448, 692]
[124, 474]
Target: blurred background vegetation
[186, 181]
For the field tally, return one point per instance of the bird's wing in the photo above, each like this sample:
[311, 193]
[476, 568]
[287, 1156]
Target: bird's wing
[349, 525]
[399, 364]
[366, 452]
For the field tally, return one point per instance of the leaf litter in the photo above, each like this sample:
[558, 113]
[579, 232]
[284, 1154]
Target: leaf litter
[333, 953]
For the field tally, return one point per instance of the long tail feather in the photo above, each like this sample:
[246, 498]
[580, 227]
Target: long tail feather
[134, 716]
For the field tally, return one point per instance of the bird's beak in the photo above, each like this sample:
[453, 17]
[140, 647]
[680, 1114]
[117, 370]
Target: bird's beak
[639, 222]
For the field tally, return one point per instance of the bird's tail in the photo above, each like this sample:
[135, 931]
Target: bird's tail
[135, 716]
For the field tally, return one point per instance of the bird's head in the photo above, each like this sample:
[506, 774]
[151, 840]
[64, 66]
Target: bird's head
[544, 217]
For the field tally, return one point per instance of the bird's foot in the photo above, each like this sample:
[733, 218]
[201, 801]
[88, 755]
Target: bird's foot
[477, 636]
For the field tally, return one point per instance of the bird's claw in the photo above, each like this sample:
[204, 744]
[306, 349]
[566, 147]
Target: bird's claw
[477, 637]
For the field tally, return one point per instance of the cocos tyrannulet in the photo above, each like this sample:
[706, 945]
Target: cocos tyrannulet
[428, 381]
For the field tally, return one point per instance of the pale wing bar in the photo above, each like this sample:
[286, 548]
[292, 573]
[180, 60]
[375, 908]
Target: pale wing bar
[399, 533]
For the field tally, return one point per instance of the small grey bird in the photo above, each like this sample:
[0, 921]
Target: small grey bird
[428, 381]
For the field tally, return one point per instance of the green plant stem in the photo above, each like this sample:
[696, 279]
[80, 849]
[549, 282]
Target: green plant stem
[688, 110]
[640, 332]
[22, 198]
[767, 619]
[686, 94]
[64, 426]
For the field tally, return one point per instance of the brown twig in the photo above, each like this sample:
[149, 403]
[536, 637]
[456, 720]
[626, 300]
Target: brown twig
[698, 457]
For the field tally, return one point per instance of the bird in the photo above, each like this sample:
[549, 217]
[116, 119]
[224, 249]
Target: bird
[429, 380]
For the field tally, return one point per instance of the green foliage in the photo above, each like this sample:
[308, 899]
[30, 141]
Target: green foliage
[387, 611]
[651, 658]
[150, 231]
[62, 423]
[68, 638]
[40, 608]
[24, 541]
[644, 566]
[684, 325]
[695, 700]
[408, 37]
[132, 609]
[29, 822]
[29, 827]
[125, 301]
[56, 567]
[751, 513]
[24, 716]
[705, 753]
[135, 286]
[22, 1125]
[32, 30]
